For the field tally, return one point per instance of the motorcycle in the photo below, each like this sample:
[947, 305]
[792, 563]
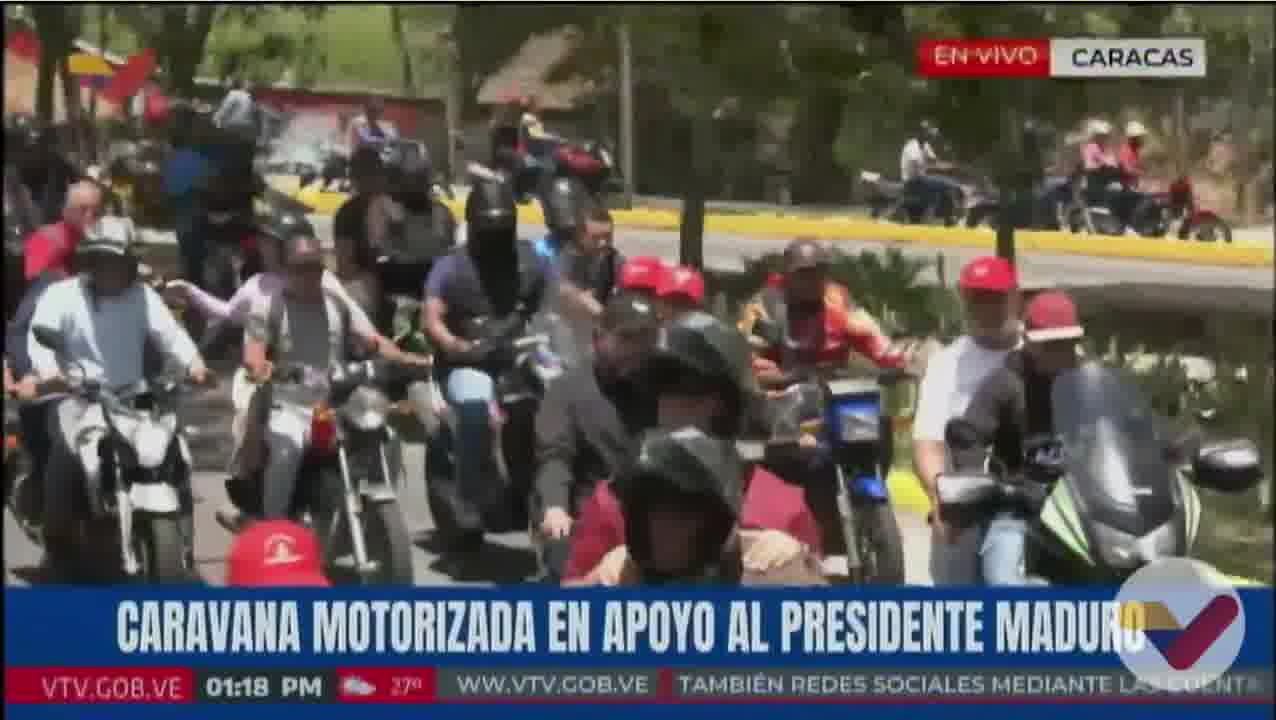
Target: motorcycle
[527, 369]
[887, 200]
[1050, 201]
[345, 484]
[1091, 210]
[17, 476]
[589, 162]
[1102, 495]
[834, 432]
[135, 474]
[1177, 211]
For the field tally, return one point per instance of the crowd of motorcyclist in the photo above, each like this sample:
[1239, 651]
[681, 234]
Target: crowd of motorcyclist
[637, 475]
[1109, 173]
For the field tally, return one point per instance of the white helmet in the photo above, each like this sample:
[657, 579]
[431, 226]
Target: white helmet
[1135, 129]
[1099, 127]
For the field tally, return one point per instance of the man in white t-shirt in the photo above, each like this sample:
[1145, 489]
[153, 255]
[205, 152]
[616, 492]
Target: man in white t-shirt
[916, 159]
[990, 297]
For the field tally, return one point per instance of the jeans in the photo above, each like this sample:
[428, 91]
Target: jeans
[1001, 556]
[930, 192]
[470, 394]
[287, 433]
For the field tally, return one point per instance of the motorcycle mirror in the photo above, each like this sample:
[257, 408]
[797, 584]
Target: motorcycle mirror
[1231, 467]
[959, 490]
[49, 338]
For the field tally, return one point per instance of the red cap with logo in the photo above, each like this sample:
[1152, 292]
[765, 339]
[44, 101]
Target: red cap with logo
[646, 272]
[988, 274]
[1052, 316]
[275, 552]
[683, 282]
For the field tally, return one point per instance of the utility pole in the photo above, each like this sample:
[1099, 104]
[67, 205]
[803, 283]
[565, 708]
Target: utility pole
[627, 165]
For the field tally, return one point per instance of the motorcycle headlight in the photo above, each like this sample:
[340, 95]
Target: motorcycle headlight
[366, 409]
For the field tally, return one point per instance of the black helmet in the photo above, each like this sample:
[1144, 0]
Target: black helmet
[365, 161]
[491, 208]
[683, 468]
[714, 353]
[110, 235]
[805, 253]
[283, 226]
[562, 202]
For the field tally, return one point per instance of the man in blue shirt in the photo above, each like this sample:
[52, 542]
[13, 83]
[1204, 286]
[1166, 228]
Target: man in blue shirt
[477, 300]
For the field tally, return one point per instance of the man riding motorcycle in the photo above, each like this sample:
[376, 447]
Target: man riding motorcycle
[302, 326]
[361, 223]
[1104, 180]
[916, 159]
[1129, 156]
[698, 374]
[106, 317]
[809, 320]
[1011, 417]
[52, 248]
[682, 499]
[477, 300]
[588, 421]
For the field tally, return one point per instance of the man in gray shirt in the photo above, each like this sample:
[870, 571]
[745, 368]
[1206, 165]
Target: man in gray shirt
[303, 326]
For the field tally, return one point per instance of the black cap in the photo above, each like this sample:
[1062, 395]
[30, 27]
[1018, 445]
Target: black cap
[805, 253]
[629, 312]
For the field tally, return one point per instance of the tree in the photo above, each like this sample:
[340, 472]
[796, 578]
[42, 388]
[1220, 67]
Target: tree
[56, 26]
[178, 33]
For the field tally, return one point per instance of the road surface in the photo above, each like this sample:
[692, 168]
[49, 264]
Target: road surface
[508, 558]
[727, 252]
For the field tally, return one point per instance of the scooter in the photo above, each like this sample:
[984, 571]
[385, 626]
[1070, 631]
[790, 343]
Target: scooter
[1102, 495]
[136, 472]
[346, 487]
[835, 431]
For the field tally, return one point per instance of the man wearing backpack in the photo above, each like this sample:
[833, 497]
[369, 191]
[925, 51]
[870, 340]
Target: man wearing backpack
[302, 326]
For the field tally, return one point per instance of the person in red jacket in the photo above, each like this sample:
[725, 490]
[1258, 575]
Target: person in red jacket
[52, 247]
[699, 375]
[805, 319]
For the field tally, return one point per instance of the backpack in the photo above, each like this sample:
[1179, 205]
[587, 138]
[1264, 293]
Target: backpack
[275, 318]
[421, 237]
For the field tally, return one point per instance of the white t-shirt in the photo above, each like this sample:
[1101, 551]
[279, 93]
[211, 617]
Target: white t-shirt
[950, 382]
[914, 158]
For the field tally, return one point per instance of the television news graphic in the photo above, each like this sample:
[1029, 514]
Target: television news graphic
[1172, 638]
[1062, 58]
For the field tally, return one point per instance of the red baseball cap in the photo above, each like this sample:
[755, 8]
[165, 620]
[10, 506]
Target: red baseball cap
[989, 274]
[646, 272]
[683, 281]
[275, 552]
[1052, 316]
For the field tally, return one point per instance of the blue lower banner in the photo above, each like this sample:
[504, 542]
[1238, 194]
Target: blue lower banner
[200, 648]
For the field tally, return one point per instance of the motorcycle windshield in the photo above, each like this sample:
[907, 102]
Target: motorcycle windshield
[1113, 451]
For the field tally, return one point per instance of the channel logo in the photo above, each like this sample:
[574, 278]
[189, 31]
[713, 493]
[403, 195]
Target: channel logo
[1192, 619]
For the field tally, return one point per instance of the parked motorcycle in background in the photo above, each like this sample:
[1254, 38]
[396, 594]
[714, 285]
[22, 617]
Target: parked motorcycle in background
[136, 471]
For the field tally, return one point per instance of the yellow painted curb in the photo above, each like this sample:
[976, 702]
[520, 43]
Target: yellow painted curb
[852, 228]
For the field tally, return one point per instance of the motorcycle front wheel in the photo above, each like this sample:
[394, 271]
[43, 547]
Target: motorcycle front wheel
[161, 548]
[881, 547]
[388, 541]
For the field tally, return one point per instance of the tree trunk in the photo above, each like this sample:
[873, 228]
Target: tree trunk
[405, 54]
[71, 103]
[50, 23]
[817, 177]
[180, 50]
[691, 225]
